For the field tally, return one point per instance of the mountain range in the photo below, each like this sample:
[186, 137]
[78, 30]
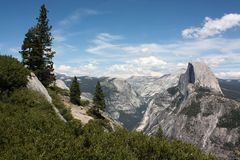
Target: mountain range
[190, 104]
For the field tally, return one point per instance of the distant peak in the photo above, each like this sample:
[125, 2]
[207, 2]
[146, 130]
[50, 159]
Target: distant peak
[199, 74]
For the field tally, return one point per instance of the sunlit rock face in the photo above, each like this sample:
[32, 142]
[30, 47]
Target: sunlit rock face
[196, 111]
[199, 75]
[36, 85]
[61, 84]
[122, 102]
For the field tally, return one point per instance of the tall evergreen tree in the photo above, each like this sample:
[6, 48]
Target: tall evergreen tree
[75, 92]
[98, 98]
[36, 51]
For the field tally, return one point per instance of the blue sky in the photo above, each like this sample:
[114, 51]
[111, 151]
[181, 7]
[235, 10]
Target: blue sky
[131, 37]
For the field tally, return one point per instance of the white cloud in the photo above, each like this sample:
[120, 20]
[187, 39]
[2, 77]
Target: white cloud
[145, 48]
[149, 61]
[89, 69]
[155, 59]
[106, 37]
[127, 70]
[217, 60]
[108, 47]
[64, 48]
[228, 75]
[144, 66]
[14, 49]
[212, 27]
[103, 44]
[76, 16]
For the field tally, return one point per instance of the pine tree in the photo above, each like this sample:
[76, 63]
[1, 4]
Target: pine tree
[75, 92]
[98, 99]
[36, 51]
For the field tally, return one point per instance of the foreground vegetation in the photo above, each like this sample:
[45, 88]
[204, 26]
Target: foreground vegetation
[29, 129]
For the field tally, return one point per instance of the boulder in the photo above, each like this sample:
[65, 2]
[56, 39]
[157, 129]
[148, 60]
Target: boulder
[35, 85]
[60, 84]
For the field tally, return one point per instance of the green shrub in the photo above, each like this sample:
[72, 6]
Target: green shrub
[202, 91]
[193, 110]
[230, 120]
[27, 97]
[95, 113]
[76, 127]
[56, 100]
[84, 102]
[12, 74]
[60, 91]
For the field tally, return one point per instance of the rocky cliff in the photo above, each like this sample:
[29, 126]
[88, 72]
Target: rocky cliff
[188, 105]
[122, 102]
[196, 111]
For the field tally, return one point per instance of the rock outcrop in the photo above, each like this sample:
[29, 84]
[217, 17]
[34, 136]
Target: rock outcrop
[122, 101]
[61, 84]
[35, 85]
[198, 74]
[196, 111]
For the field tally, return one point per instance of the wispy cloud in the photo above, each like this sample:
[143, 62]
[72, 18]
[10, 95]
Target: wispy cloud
[77, 16]
[229, 75]
[61, 33]
[157, 58]
[64, 48]
[213, 27]
[103, 44]
[179, 48]
[217, 60]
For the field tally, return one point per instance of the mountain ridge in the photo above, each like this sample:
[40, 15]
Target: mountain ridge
[191, 97]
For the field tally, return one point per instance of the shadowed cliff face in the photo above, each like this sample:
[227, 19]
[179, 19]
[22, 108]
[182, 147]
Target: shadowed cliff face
[191, 78]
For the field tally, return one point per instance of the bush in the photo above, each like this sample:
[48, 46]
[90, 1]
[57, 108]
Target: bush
[95, 113]
[58, 90]
[230, 120]
[12, 74]
[56, 100]
[84, 102]
[26, 97]
[193, 110]
[202, 91]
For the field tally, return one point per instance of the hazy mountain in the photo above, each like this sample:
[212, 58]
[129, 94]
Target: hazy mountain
[230, 88]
